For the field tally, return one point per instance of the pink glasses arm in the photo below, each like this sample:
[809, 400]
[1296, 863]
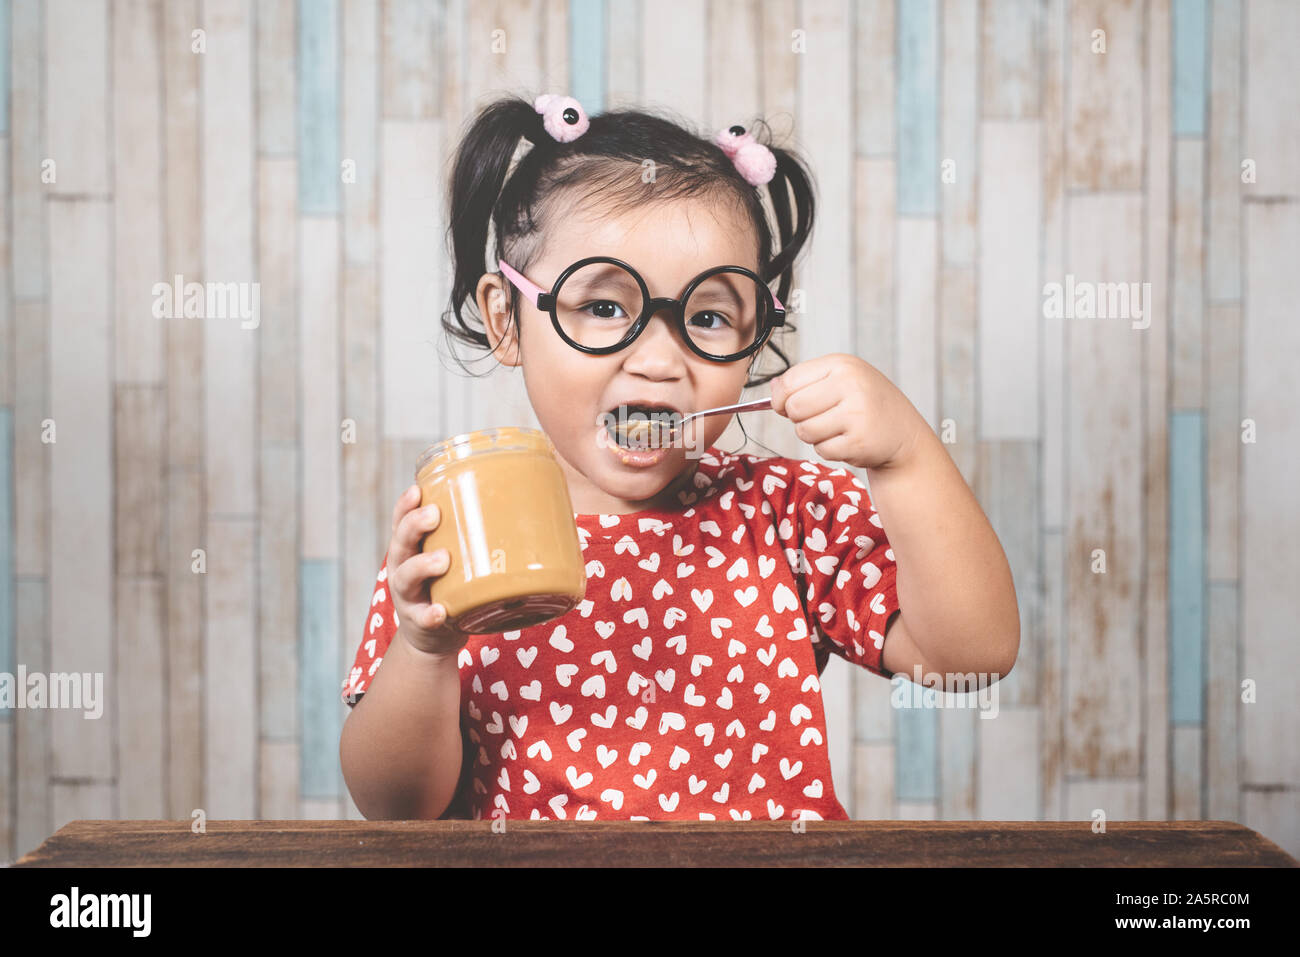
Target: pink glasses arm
[530, 288]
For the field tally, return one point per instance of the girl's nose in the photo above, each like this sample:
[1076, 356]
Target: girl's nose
[658, 344]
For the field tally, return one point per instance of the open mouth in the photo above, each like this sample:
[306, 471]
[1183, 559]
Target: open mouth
[638, 426]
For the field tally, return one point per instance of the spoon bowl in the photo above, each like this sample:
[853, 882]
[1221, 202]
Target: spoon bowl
[655, 433]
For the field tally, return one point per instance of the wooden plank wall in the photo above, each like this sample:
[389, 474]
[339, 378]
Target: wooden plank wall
[196, 508]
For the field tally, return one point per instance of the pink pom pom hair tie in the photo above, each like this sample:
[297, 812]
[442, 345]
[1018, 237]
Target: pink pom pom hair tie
[754, 161]
[562, 116]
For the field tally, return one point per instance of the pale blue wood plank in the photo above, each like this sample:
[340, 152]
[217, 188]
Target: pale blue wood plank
[318, 106]
[1190, 66]
[586, 55]
[318, 658]
[918, 113]
[917, 738]
[7, 611]
[1186, 566]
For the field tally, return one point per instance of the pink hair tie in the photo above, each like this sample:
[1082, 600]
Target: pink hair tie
[562, 116]
[752, 159]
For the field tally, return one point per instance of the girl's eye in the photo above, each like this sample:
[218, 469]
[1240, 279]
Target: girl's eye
[604, 309]
[708, 317]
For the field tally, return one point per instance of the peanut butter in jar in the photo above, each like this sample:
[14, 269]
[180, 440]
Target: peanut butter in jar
[507, 522]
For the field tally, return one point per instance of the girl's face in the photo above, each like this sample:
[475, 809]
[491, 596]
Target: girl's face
[572, 393]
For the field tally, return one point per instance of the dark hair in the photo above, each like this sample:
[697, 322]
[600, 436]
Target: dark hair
[597, 163]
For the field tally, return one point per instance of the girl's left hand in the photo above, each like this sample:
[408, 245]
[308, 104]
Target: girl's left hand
[848, 411]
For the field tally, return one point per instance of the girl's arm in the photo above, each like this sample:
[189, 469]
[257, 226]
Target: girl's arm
[401, 745]
[957, 599]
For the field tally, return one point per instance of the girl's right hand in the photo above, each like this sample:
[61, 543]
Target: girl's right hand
[410, 571]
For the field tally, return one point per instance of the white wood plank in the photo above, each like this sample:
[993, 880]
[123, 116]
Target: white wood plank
[184, 231]
[1270, 135]
[917, 325]
[1276, 815]
[318, 369]
[875, 70]
[1008, 775]
[279, 339]
[874, 782]
[1105, 96]
[1224, 186]
[77, 801]
[1009, 77]
[31, 455]
[1270, 529]
[277, 76]
[958, 118]
[319, 809]
[32, 728]
[917, 811]
[623, 72]
[278, 780]
[80, 403]
[138, 479]
[1156, 792]
[958, 727]
[874, 196]
[1053, 253]
[360, 127]
[141, 692]
[872, 712]
[1187, 746]
[137, 189]
[1223, 441]
[781, 67]
[77, 96]
[410, 239]
[229, 351]
[1051, 678]
[28, 148]
[1010, 297]
[410, 87]
[554, 67]
[7, 341]
[185, 638]
[1222, 706]
[735, 83]
[230, 742]
[679, 26]
[278, 591]
[1104, 509]
[1120, 799]
[824, 76]
[1187, 315]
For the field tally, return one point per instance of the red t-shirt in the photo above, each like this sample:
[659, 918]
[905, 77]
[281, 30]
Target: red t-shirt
[685, 685]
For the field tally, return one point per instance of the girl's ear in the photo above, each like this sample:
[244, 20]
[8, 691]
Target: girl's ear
[494, 307]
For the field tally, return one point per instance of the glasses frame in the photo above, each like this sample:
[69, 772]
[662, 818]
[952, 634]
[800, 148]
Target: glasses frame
[545, 301]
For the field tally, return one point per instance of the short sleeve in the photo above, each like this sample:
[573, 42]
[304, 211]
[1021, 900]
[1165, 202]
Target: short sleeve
[842, 553]
[381, 625]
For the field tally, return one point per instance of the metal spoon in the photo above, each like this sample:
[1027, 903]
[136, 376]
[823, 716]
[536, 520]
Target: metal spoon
[667, 434]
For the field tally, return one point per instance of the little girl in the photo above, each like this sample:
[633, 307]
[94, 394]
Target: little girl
[685, 684]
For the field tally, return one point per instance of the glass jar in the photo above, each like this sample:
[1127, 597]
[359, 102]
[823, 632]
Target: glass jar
[507, 522]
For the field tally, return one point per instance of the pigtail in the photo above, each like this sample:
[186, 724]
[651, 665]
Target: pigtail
[791, 180]
[481, 165]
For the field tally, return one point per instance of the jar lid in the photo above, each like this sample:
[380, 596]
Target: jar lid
[507, 438]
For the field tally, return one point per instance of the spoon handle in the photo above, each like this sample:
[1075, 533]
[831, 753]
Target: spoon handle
[753, 406]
